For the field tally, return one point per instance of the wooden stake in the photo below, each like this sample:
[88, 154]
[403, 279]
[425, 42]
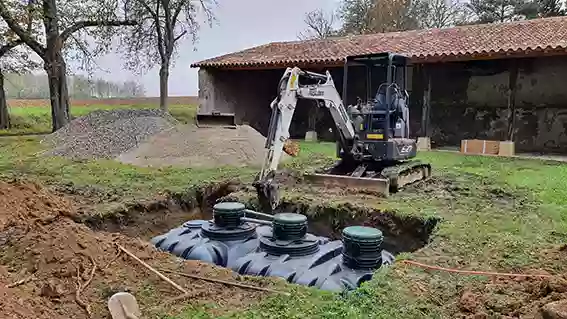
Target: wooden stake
[150, 268]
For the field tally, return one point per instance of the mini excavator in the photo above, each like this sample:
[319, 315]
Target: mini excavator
[373, 142]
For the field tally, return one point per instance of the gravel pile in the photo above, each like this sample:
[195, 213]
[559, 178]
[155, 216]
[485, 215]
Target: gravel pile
[189, 146]
[107, 134]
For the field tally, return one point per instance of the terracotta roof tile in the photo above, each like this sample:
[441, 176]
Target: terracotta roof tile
[462, 43]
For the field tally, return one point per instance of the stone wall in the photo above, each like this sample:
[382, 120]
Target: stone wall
[470, 100]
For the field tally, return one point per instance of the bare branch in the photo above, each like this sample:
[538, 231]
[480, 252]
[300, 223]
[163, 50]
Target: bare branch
[319, 25]
[84, 24]
[181, 35]
[14, 26]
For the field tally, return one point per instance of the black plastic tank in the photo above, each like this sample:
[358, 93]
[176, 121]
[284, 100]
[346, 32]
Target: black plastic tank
[287, 251]
[219, 242]
[360, 256]
[282, 249]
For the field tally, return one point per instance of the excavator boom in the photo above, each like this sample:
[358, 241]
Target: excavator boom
[373, 139]
[283, 108]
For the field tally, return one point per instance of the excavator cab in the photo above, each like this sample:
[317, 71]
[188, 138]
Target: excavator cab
[381, 120]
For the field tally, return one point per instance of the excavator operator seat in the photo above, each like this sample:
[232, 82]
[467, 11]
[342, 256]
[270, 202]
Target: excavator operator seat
[402, 114]
[380, 99]
[398, 109]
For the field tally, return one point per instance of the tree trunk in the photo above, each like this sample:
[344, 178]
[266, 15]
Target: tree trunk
[4, 114]
[163, 86]
[58, 93]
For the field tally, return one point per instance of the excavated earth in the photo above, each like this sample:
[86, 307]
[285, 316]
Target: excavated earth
[54, 267]
[331, 209]
[51, 243]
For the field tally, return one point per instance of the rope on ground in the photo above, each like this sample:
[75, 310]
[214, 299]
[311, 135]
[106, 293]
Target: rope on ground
[229, 283]
[472, 272]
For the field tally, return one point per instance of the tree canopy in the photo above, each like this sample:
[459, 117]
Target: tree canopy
[375, 16]
[161, 24]
[56, 29]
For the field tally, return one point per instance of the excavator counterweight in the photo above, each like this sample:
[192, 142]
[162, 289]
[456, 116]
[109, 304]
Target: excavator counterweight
[373, 144]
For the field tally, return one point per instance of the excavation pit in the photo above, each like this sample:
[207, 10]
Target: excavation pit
[331, 251]
[402, 233]
[146, 219]
[46, 254]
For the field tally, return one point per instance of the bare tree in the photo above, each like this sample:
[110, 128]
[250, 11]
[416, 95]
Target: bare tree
[319, 25]
[438, 13]
[133, 89]
[12, 60]
[64, 21]
[162, 24]
[374, 16]
[491, 11]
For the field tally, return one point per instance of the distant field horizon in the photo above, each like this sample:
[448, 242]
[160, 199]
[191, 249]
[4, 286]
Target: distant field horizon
[150, 100]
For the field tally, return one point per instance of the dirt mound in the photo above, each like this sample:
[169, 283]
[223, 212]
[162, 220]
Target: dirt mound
[190, 146]
[106, 134]
[52, 267]
[515, 297]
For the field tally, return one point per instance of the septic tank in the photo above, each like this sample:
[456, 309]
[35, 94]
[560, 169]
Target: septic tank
[281, 248]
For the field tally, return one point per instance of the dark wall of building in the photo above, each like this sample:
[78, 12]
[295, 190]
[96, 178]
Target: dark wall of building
[470, 100]
[248, 94]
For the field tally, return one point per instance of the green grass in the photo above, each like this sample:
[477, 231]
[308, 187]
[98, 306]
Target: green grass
[21, 157]
[497, 214]
[37, 119]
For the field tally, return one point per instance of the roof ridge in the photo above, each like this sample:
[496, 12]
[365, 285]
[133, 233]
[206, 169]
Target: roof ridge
[465, 40]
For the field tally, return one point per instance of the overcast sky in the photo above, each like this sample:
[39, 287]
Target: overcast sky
[240, 24]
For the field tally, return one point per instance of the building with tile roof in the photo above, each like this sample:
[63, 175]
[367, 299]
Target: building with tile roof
[502, 81]
[484, 41]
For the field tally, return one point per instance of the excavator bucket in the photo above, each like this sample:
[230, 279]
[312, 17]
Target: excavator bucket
[267, 191]
[216, 119]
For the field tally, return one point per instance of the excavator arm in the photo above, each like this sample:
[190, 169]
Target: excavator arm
[283, 107]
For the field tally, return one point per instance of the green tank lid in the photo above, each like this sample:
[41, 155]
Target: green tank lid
[228, 214]
[290, 219]
[363, 233]
[228, 207]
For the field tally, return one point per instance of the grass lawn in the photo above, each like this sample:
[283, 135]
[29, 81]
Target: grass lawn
[37, 119]
[497, 214]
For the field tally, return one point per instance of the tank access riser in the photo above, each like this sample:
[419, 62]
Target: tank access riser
[384, 181]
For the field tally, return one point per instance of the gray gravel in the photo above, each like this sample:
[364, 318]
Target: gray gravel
[107, 134]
